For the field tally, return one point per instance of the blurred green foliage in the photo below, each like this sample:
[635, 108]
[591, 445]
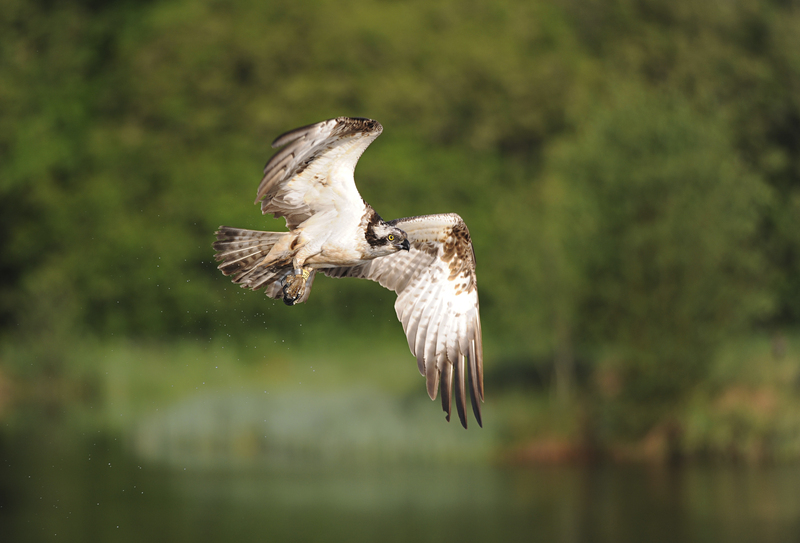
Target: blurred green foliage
[660, 218]
[630, 170]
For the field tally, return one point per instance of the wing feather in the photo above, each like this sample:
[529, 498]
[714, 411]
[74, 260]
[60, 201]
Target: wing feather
[428, 304]
[455, 332]
[314, 169]
[474, 385]
[476, 352]
[437, 303]
[415, 327]
[461, 403]
[429, 344]
[447, 389]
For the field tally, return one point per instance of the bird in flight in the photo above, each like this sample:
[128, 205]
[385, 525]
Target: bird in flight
[428, 260]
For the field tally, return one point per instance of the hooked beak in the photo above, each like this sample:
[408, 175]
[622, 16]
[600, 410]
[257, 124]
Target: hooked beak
[405, 245]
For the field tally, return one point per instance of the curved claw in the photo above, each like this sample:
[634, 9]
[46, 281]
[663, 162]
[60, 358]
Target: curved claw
[294, 286]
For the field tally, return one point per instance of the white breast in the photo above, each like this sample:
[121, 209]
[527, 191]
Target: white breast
[338, 239]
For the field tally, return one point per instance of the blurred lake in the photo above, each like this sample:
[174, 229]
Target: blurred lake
[247, 468]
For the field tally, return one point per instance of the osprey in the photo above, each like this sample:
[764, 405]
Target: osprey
[428, 261]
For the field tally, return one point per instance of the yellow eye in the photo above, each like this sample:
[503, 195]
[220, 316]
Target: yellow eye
[390, 237]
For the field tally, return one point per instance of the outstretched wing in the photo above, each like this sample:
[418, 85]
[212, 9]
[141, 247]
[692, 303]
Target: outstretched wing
[437, 302]
[313, 172]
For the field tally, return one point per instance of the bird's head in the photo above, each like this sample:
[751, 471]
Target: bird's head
[385, 239]
[399, 239]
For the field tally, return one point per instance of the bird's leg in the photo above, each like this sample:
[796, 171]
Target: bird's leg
[294, 285]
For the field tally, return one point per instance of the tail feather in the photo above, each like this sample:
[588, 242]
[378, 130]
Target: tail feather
[243, 253]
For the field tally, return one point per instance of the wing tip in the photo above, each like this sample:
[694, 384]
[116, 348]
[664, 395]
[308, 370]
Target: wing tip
[432, 384]
[352, 125]
[447, 389]
[465, 371]
[343, 126]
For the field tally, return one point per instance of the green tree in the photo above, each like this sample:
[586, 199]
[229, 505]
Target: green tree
[658, 230]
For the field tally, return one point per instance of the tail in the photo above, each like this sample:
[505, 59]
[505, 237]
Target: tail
[244, 255]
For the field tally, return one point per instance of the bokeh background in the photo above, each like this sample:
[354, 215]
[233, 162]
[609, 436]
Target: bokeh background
[629, 171]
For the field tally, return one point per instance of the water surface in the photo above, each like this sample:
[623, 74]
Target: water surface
[58, 484]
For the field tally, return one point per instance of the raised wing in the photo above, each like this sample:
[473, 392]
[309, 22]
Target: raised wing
[437, 302]
[313, 172]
